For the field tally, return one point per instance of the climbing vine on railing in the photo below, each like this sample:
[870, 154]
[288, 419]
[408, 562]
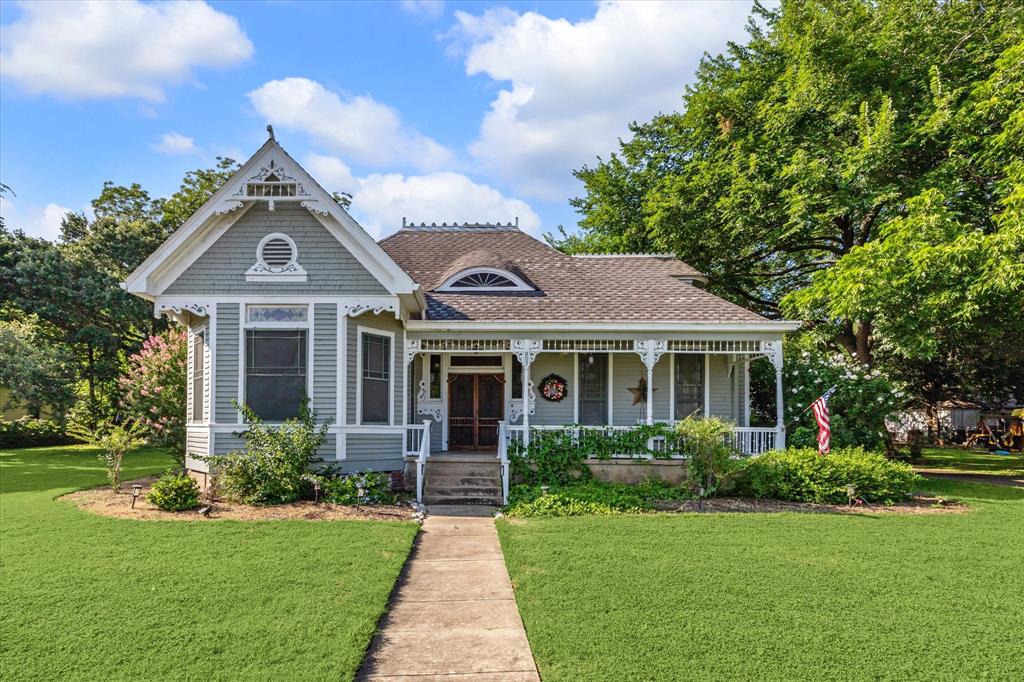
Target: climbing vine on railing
[558, 456]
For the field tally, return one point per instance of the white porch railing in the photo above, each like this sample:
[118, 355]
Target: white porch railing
[417, 444]
[747, 440]
[503, 459]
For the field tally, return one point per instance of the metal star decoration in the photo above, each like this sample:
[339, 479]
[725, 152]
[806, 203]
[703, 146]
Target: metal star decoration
[640, 391]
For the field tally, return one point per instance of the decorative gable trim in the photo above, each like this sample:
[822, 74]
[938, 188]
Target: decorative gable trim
[233, 200]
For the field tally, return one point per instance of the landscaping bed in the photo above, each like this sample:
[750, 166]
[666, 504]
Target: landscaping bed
[105, 502]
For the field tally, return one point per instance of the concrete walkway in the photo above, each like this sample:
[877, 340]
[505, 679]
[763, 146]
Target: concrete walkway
[453, 615]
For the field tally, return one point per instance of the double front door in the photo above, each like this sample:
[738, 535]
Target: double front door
[475, 406]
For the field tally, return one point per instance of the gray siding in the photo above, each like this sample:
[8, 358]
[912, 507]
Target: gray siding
[383, 322]
[373, 452]
[226, 443]
[547, 412]
[627, 370]
[722, 403]
[227, 362]
[331, 268]
[325, 361]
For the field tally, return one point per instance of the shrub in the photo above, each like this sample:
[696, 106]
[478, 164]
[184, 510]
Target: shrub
[271, 469]
[155, 389]
[175, 491]
[557, 504]
[555, 457]
[620, 496]
[345, 489]
[802, 475]
[32, 433]
[707, 445]
[115, 440]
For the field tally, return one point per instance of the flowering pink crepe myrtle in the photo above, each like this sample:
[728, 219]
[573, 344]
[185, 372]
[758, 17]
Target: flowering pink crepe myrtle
[154, 387]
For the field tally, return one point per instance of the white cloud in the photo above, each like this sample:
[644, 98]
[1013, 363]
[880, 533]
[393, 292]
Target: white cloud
[381, 200]
[38, 222]
[117, 49]
[430, 8]
[175, 143]
[573, 88]
[360, 127]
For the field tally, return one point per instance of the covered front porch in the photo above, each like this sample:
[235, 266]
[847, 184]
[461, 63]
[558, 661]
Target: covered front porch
[479, 393]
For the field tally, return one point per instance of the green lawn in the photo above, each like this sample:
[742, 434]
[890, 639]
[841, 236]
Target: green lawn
[780, 596]
[958, 459]
[88, 597]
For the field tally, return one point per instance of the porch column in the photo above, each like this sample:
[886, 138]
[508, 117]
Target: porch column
[525, 351]
[774, 349]
[650, 351]
[412, 349]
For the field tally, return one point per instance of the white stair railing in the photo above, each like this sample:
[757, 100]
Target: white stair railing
[421, 460]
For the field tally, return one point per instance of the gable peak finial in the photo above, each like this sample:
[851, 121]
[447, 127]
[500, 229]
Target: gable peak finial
[270, 131]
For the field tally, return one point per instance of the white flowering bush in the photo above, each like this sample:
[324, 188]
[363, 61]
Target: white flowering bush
[863, 400]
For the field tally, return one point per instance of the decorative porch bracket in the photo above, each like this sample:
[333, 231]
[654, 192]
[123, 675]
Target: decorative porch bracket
[773, 350]
[526, 351]
[357, 308]
[650, 351]
[178, 311]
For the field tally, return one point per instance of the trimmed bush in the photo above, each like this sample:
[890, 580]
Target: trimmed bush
[175, 491]
[802, 475]
[345, 489]
[274, 465]
[29, 432]
[618, 496]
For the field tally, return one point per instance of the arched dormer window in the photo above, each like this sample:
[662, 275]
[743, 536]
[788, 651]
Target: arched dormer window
[484, 279]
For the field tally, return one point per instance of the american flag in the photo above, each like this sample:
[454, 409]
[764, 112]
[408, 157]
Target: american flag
[820, 409]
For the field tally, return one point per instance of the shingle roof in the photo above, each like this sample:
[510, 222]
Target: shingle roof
[623, 288]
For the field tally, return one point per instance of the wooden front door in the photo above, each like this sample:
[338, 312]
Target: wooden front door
[475, 406]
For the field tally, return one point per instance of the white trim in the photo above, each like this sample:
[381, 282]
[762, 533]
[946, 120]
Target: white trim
[360, 332]
[576, 388]
[672, 386]
[767, 326]
[181, 245]
[517, 282]
[611, 388]
[341, 348]
[707, 385]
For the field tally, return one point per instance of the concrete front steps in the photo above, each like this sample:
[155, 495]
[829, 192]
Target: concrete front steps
[462, 479]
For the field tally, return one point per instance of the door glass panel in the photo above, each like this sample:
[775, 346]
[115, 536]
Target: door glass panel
[689, 385]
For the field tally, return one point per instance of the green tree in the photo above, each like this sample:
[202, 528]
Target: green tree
[830, 128]
[37, 372]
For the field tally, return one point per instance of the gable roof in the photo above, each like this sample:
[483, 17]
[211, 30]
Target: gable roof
[229, 203]
[620, 288]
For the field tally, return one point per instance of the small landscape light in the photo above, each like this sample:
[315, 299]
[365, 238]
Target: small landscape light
[136, 491]
[316, 491]
[851, 494]
[544, 490]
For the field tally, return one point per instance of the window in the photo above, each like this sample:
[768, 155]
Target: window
[198, 375]
[593, 389]
[435, 377]
[484, 279]
[275, 372]
[517, 378]
[689, 386]
[375, 379]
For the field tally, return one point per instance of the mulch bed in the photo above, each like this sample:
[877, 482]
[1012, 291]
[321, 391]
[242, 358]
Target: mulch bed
[919, 504]
[105, 502]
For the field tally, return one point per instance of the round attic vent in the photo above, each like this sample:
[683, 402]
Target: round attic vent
[277, 251]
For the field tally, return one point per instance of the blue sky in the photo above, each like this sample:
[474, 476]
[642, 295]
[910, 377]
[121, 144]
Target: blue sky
[428, 110]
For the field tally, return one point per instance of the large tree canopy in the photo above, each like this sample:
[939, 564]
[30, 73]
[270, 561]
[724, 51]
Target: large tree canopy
[854, 164]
